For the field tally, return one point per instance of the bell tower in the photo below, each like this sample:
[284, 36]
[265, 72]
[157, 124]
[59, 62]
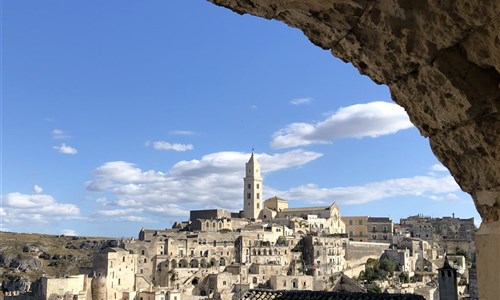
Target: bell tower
[447, 280]
[252, 189]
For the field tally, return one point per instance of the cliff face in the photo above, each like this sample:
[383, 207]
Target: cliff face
[26, 257]
[440, 59]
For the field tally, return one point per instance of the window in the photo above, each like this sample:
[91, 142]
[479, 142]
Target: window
[360, 222]
[350, 222]
[119, 281]
[258, 195]
[145, 260]
[224, 282]
[249, 196]
[249, 186]
[350, 233]
[258, 205]
[374, 229]
[142, 252]
[361, 233]
[258, 186]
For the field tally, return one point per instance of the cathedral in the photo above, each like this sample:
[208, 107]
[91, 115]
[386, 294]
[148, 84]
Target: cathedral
[275, 210]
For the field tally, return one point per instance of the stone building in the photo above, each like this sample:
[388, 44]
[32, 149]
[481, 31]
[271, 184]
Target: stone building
[404, 261]
[318, 219]
[452, 234]
[118, 268]
[439, 229]
[356, 227]
[325, 255]
[158, 294]
[448, 284]
[297, 282]
[74, 287]
[418, 227]
[380, 230]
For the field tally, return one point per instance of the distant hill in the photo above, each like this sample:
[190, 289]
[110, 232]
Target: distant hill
[25, 257]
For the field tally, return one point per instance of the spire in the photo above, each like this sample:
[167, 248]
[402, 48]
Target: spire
[446, 264]
[251, 160]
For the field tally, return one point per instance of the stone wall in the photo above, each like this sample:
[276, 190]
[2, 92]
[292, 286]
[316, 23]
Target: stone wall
[358, 252]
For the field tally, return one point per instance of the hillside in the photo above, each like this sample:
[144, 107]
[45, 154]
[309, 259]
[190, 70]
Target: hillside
[26, 257]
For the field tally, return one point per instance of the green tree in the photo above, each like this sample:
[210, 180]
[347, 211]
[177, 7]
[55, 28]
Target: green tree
[388, 265]
[463, 253]
[373, 263]
[375, 289]
[404, 277]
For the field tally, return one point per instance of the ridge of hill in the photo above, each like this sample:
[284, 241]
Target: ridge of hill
[25, 257]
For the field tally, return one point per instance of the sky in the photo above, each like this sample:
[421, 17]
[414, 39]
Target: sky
[118, 116]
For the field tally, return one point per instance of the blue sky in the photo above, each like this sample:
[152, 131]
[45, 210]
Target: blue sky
[117, 116]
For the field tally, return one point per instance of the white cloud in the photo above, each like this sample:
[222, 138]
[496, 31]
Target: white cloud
[439, 168]
[361, 120]
[300, 101]
[65, 149]
[215, 180]
[162, 145]
[133, 219]
[37, 208]
[37, 189]
[447, 197]
[69, 232]
[182, 132]
[432, 187]
[103, 201]
[59, 134]
[116, 212]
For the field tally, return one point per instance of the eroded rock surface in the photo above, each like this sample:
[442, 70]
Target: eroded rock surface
[440, 59]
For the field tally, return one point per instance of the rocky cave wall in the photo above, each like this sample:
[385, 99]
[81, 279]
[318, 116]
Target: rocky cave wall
[440, 59]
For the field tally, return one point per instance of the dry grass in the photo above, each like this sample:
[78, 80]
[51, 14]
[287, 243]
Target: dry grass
[54, 252]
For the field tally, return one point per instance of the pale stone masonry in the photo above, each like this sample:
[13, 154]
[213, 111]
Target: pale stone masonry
[380, 230]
